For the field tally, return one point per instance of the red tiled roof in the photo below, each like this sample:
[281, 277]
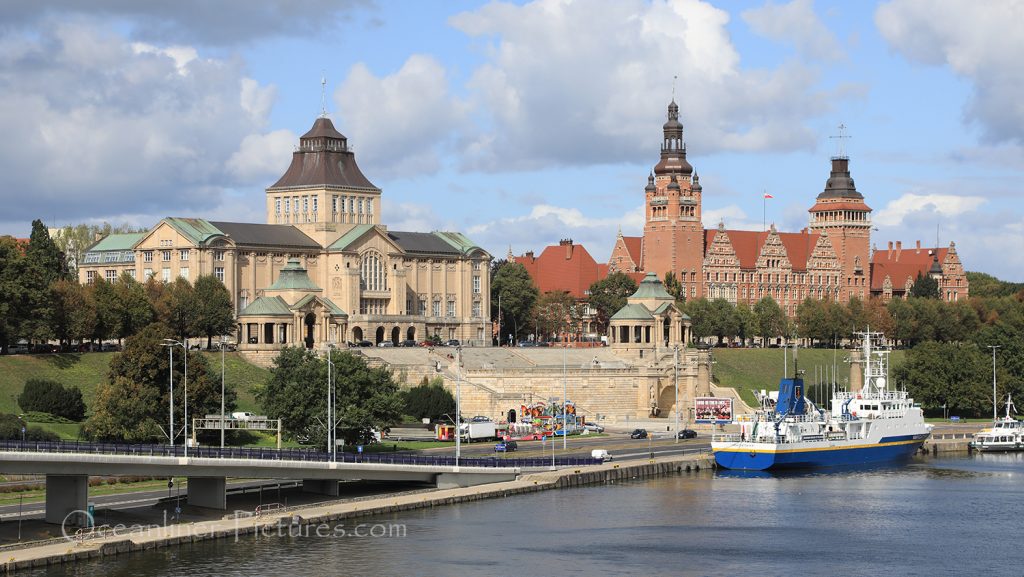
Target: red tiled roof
[748, 243]
[634, 246]
[552, 271]
[899, 265]
[845, 205]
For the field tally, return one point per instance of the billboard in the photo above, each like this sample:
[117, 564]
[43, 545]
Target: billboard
[713, 410]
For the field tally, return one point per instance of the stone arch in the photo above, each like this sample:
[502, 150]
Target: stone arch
[357, 334]
[380, 336]
[396, 335]
[410, 334]
[309, 322]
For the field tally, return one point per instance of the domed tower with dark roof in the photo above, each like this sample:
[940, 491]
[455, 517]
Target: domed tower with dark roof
[673, 233]
[323, 192]
[840, 211]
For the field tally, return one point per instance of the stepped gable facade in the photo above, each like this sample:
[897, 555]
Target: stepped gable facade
[830, 259]
[323, 269]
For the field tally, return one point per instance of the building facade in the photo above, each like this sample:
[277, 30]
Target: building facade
[830, 259]
[323, 268]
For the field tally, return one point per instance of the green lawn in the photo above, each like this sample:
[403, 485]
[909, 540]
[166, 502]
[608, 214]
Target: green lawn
[748, 370]
[241, 375]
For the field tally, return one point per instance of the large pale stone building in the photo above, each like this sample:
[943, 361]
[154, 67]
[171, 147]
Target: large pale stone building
[324, 268]
[830, 259]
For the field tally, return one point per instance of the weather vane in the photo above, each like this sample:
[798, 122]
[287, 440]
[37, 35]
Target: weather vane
[841, 138]
[323, 95]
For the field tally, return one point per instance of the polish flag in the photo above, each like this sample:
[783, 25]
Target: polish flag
[766, 195]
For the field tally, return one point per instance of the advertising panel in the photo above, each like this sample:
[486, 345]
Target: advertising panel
[713, 410]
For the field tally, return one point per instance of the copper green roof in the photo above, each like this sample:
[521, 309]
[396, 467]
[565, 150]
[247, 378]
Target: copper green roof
[267, 307]
[196, 229]
[335, 310]
[294, 277]
[124, 241]
[349, 237]
[632, 312]
[458, 240]
[651, 288]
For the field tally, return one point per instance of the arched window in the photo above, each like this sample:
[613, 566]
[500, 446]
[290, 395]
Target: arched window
[373, 274]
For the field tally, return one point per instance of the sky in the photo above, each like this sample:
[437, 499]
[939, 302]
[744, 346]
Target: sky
[522, 123]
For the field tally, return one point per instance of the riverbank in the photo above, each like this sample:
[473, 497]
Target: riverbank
[304, 519]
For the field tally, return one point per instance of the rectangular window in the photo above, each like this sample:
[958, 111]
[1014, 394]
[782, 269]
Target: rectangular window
[218, 255]
[369, 206]
[90, 276]
[315, 199]
[183, 254]
[131, 273]
[111, 275]
[166, 274]
[305, 204]
[351, 205]
[360, 206]
[166, 255]
[183, 272]
[334, 204]
[476, 309]
[218, 271]
[451, 308]
[423, 307]
[287, 205]
[476, 284]
[147, 273]
[436, 309]
[147, 256]
[277, 206]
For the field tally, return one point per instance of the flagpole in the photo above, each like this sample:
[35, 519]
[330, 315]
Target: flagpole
[764, 208]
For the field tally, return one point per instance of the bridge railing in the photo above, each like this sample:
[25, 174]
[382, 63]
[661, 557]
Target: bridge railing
[269, 454]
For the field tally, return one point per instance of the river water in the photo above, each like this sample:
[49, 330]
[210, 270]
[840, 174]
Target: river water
[933, 516]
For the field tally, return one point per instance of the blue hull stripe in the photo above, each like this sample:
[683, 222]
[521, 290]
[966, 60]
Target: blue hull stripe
[759, 461]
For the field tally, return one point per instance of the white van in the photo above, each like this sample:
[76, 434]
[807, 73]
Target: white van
[242, 415]
[602, 454]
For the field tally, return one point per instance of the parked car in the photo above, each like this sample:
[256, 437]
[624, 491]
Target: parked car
[408, 343]
[385, 344]
[364, 344]
[602, 454]
[527, 344]
[593, 428]
[110, 347]
[45, 348]
[638, 434]
[18, 349]
[452, 343]
[687, 434]
[506, 446]
[480, 419]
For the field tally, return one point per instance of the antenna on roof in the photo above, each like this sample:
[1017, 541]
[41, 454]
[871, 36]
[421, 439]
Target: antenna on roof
[674, 78]
[841, 138]
[323, 95]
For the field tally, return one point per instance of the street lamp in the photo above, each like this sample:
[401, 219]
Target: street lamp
[458, 404]
[995, 415]
[675, 378]
[172, 343]
[565, 427]
[223, 345]
[331, 445]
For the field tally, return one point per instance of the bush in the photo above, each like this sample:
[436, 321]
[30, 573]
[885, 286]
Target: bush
[429, 399]
[44, 396]
[10, 430]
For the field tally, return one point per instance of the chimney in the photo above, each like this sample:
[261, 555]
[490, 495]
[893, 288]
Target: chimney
[918, 247]
[899, 249]
[567, 243]
[529, 255]
[888, 255]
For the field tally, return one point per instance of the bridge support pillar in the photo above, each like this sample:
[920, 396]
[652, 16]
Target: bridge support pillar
[455, 480]
[210, 492]
[321, 486]
[67, 499]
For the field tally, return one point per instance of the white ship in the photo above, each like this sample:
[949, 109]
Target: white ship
[871, 425]
[1006, 434]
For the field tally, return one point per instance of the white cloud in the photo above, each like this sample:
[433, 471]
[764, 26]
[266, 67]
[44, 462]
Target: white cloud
[978, 41]
[399, 124]
[795, 23]
[568, 82]
[912, 205]
[143, 131]
[262, 158]
[408, 216]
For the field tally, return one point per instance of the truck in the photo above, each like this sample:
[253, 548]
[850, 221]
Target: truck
[478, 431]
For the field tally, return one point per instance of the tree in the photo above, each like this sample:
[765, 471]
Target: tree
[74, 240]
[957, 376]
[214, 313]
[724, 322]
[73, 314]
[133, 309]
[701, 318]
[514, 288]
[746, 321]
[124, 410]
[10, 430]
[177, 308]
[429, 400]
[12, 291]
[769, 318]
[44, 264]
[46, 396]
[609, 294]
[366, 398]
[108, 317]
[554, 313]
[812, 320]
[674, 287]
[925, 287]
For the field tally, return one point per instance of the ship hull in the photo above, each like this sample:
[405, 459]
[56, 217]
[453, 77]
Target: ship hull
[765, 456]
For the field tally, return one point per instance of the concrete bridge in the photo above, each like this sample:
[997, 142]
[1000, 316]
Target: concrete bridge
[67, 473]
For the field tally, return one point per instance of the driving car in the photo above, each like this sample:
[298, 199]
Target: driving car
[505, 446]
[408, 343]
[385, 344]
[593, 428]
[638, 434]
[687, 434]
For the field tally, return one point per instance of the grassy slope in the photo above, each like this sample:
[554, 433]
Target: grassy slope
[751, 369]
[86, 371]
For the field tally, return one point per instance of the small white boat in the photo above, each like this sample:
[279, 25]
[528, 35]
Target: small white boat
[1006, 434]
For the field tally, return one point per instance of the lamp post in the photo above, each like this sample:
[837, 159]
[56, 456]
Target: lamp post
[458, 404]
[995, 415]
[184, 347]
[565, 416]
[331, 445]
[223, 345]
[170, 424]
[675, 379]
